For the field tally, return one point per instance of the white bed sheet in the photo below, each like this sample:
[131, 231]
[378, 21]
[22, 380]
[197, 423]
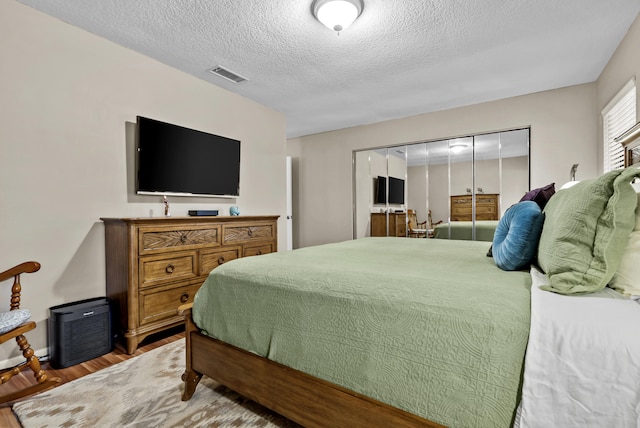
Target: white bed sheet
[582, 366]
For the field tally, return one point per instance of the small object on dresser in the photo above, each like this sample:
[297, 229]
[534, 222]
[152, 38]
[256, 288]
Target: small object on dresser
[167, 213]
[234, 211]
[203, 212]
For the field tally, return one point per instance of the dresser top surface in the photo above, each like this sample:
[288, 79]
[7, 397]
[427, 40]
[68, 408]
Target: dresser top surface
[188, 219]
[477, 195]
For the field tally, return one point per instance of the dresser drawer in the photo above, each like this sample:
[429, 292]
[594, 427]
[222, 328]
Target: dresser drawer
[209, 260]
[256, 250]
[247, 233]
[155, 270]
[486, 214]
[461, 201]
[464, 210]
[162, 302]
[154, 240]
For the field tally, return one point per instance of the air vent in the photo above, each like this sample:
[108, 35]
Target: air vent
[226, 74]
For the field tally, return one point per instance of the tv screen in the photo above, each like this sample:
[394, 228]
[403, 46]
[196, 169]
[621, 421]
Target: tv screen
[173, 160]
[396, 191]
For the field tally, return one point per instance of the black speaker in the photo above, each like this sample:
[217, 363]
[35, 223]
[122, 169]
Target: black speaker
[79, 331]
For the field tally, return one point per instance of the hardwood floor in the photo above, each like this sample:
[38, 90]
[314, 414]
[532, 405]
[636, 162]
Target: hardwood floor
[8, 419]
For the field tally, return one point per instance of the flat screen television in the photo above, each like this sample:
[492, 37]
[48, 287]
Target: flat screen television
[178, 161]
[396, 191]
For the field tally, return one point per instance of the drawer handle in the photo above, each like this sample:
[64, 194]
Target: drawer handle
[170, 268]
[183, 238]
[220, 260]
[259, 252]
[184, 298]
[250, 232]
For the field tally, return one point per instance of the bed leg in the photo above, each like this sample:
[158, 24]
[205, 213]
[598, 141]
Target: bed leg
[191, 380]
[190, 377]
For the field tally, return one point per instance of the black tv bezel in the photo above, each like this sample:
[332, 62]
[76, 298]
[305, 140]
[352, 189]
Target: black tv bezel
[182, 193]
[380, 191]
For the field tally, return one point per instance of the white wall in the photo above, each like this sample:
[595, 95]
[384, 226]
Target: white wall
[563, 132]
[68, 102]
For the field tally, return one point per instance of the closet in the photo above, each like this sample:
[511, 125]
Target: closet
[470, 178]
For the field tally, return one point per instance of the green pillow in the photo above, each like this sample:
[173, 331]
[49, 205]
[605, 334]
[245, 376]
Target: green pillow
[585, 232]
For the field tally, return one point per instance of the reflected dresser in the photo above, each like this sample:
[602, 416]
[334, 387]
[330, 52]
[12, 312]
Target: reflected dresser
[486, 207]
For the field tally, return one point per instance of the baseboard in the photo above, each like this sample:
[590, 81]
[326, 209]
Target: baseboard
[42, 355]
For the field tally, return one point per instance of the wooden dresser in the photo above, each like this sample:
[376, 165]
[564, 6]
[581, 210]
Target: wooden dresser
[486, 207]
[397, 224]
[154, 265]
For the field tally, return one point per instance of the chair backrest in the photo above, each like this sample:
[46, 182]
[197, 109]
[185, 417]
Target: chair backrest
[15, 272]
[430, 223]
[412, 219]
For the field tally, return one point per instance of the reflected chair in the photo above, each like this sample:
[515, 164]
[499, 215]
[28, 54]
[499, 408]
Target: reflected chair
[431, 225]
[415, 229]
[13, 325]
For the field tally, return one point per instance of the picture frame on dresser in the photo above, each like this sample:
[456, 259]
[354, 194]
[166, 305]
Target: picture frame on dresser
[156, 264]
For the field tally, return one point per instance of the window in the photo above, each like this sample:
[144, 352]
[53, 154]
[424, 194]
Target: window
[618, 116]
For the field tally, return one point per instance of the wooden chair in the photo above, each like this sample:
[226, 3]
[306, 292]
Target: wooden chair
[431, 225]
[14, 324]
[415, 229]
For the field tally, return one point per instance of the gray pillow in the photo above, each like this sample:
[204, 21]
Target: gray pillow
[12, 319]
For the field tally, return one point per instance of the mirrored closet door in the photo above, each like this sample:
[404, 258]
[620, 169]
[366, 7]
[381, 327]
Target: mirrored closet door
[454, 188]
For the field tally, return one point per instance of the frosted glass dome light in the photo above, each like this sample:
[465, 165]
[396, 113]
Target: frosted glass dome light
[457, 148]
[337, 14]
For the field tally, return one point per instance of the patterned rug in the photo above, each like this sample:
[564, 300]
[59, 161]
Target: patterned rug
[144, 391]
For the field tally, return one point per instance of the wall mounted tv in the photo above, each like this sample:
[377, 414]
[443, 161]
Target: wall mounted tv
[396, 190]
[178, 161]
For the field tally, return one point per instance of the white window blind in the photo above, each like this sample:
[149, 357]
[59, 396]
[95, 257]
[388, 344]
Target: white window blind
[618, 116]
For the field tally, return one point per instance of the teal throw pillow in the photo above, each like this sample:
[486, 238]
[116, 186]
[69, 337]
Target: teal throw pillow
[515, 241]
[585, 232]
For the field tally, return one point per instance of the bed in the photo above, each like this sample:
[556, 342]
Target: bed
[463, 230]
[397, 332]
[365, 328]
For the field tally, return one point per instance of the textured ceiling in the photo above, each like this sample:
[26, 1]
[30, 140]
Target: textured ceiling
[400, 58]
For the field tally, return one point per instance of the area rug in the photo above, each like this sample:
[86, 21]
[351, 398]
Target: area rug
[144, 391]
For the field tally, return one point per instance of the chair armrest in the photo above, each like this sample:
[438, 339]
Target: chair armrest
[185, 309]
[26, 267]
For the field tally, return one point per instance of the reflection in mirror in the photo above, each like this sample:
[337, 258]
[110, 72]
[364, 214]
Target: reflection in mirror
[451, 189]
[380, 192]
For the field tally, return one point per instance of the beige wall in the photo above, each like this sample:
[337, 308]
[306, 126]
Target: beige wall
[563, 132]
[68, 101]
[566, 128]
[623, 66]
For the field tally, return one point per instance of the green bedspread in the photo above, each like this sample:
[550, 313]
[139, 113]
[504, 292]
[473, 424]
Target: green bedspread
[430, 326]
[462, 230]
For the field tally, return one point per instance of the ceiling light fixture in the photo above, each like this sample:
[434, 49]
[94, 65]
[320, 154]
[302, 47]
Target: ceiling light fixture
[337, 14]
[457, 148]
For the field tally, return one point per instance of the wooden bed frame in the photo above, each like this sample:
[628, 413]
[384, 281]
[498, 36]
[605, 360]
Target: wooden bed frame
[302, 398]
